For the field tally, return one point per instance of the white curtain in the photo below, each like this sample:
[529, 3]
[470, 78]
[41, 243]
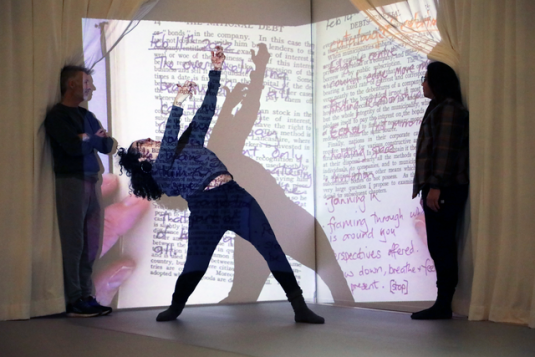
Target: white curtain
[490, 47]
[496, 51]
[38, 38]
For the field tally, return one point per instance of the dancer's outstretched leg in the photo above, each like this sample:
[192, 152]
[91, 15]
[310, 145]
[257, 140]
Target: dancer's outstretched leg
[203, 237]
[254, 227]
[185, 285]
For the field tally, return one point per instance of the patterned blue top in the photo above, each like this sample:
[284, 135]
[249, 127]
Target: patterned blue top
[195, 166]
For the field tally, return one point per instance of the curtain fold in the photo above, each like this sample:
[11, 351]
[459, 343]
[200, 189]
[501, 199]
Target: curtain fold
[447, 50]
[16, 181]
[412, 23]
[496, 51]
[113, 29]
[38, 38]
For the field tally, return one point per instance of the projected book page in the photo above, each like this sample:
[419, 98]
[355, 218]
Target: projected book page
[262, 131]
[369, 106]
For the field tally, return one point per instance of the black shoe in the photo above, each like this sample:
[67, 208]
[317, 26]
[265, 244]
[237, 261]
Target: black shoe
[104, 310]
[295, 297]
[80, 308]
[433, 313]
[303, 313]
[170, 314]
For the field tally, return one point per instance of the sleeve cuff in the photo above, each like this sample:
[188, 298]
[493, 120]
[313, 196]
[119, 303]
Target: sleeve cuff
[93, 140]
[433, 182]
[214, 74]
[177, 110]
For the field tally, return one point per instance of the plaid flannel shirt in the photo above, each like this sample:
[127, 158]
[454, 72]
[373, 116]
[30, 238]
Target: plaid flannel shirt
[442, 147]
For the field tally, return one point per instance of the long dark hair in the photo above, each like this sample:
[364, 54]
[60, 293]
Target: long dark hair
[142, 183]
[443, 82]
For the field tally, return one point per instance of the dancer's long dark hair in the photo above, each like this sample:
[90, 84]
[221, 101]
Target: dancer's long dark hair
[142, 183]
[443, 82]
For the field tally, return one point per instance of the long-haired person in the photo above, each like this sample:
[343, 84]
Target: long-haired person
[441, 176]
[184, 166]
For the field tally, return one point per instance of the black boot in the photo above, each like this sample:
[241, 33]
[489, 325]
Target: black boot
[435, 312]
[185, 285]
[295, 297]
[171, 313]
[301, 310]
[441, 309]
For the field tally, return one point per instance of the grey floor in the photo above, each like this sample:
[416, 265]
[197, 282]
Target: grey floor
[264, 329]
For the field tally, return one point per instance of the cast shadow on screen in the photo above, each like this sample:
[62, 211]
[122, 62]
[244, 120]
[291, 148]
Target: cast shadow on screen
[294, 227]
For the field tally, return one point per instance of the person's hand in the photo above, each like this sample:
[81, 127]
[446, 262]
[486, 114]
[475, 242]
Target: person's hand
[218, 57]
[432, 199]
[184, 92]
[102, 133]
[119, 218]
[261, 58]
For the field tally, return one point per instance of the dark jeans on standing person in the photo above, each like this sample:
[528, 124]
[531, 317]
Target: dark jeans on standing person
[213, 212]
[442, 227]
[79, 220]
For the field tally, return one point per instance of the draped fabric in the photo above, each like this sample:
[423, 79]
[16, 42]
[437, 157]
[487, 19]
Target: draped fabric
[496, 51]
[490, 47]
[38, 38]
[413, 23]
[96, 38]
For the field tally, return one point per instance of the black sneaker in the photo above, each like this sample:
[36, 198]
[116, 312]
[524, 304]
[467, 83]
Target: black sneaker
[104, 310]
[80, 308]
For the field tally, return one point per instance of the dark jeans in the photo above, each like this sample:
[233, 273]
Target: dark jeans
[213, 212]
[441, 230]
[79, 221]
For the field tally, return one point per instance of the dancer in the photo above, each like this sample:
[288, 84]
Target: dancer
[442, 177]
[217, 203]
